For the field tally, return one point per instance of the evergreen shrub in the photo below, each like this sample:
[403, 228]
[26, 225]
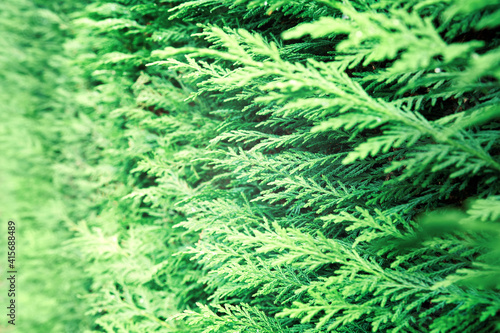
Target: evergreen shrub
[286, 166]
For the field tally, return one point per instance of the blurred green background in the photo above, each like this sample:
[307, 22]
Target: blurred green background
[32, 73]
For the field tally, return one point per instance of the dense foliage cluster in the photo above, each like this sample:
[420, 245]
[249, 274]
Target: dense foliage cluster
[277, 166]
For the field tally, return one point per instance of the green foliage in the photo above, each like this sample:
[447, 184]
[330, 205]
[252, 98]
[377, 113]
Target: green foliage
[35, 107]
[346, 152]
[283, 166]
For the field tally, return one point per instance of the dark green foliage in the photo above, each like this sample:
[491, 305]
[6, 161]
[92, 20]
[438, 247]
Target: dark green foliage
[286, 166]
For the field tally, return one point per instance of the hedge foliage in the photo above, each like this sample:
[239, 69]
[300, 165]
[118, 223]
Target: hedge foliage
[279, 166]
[36, 98]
